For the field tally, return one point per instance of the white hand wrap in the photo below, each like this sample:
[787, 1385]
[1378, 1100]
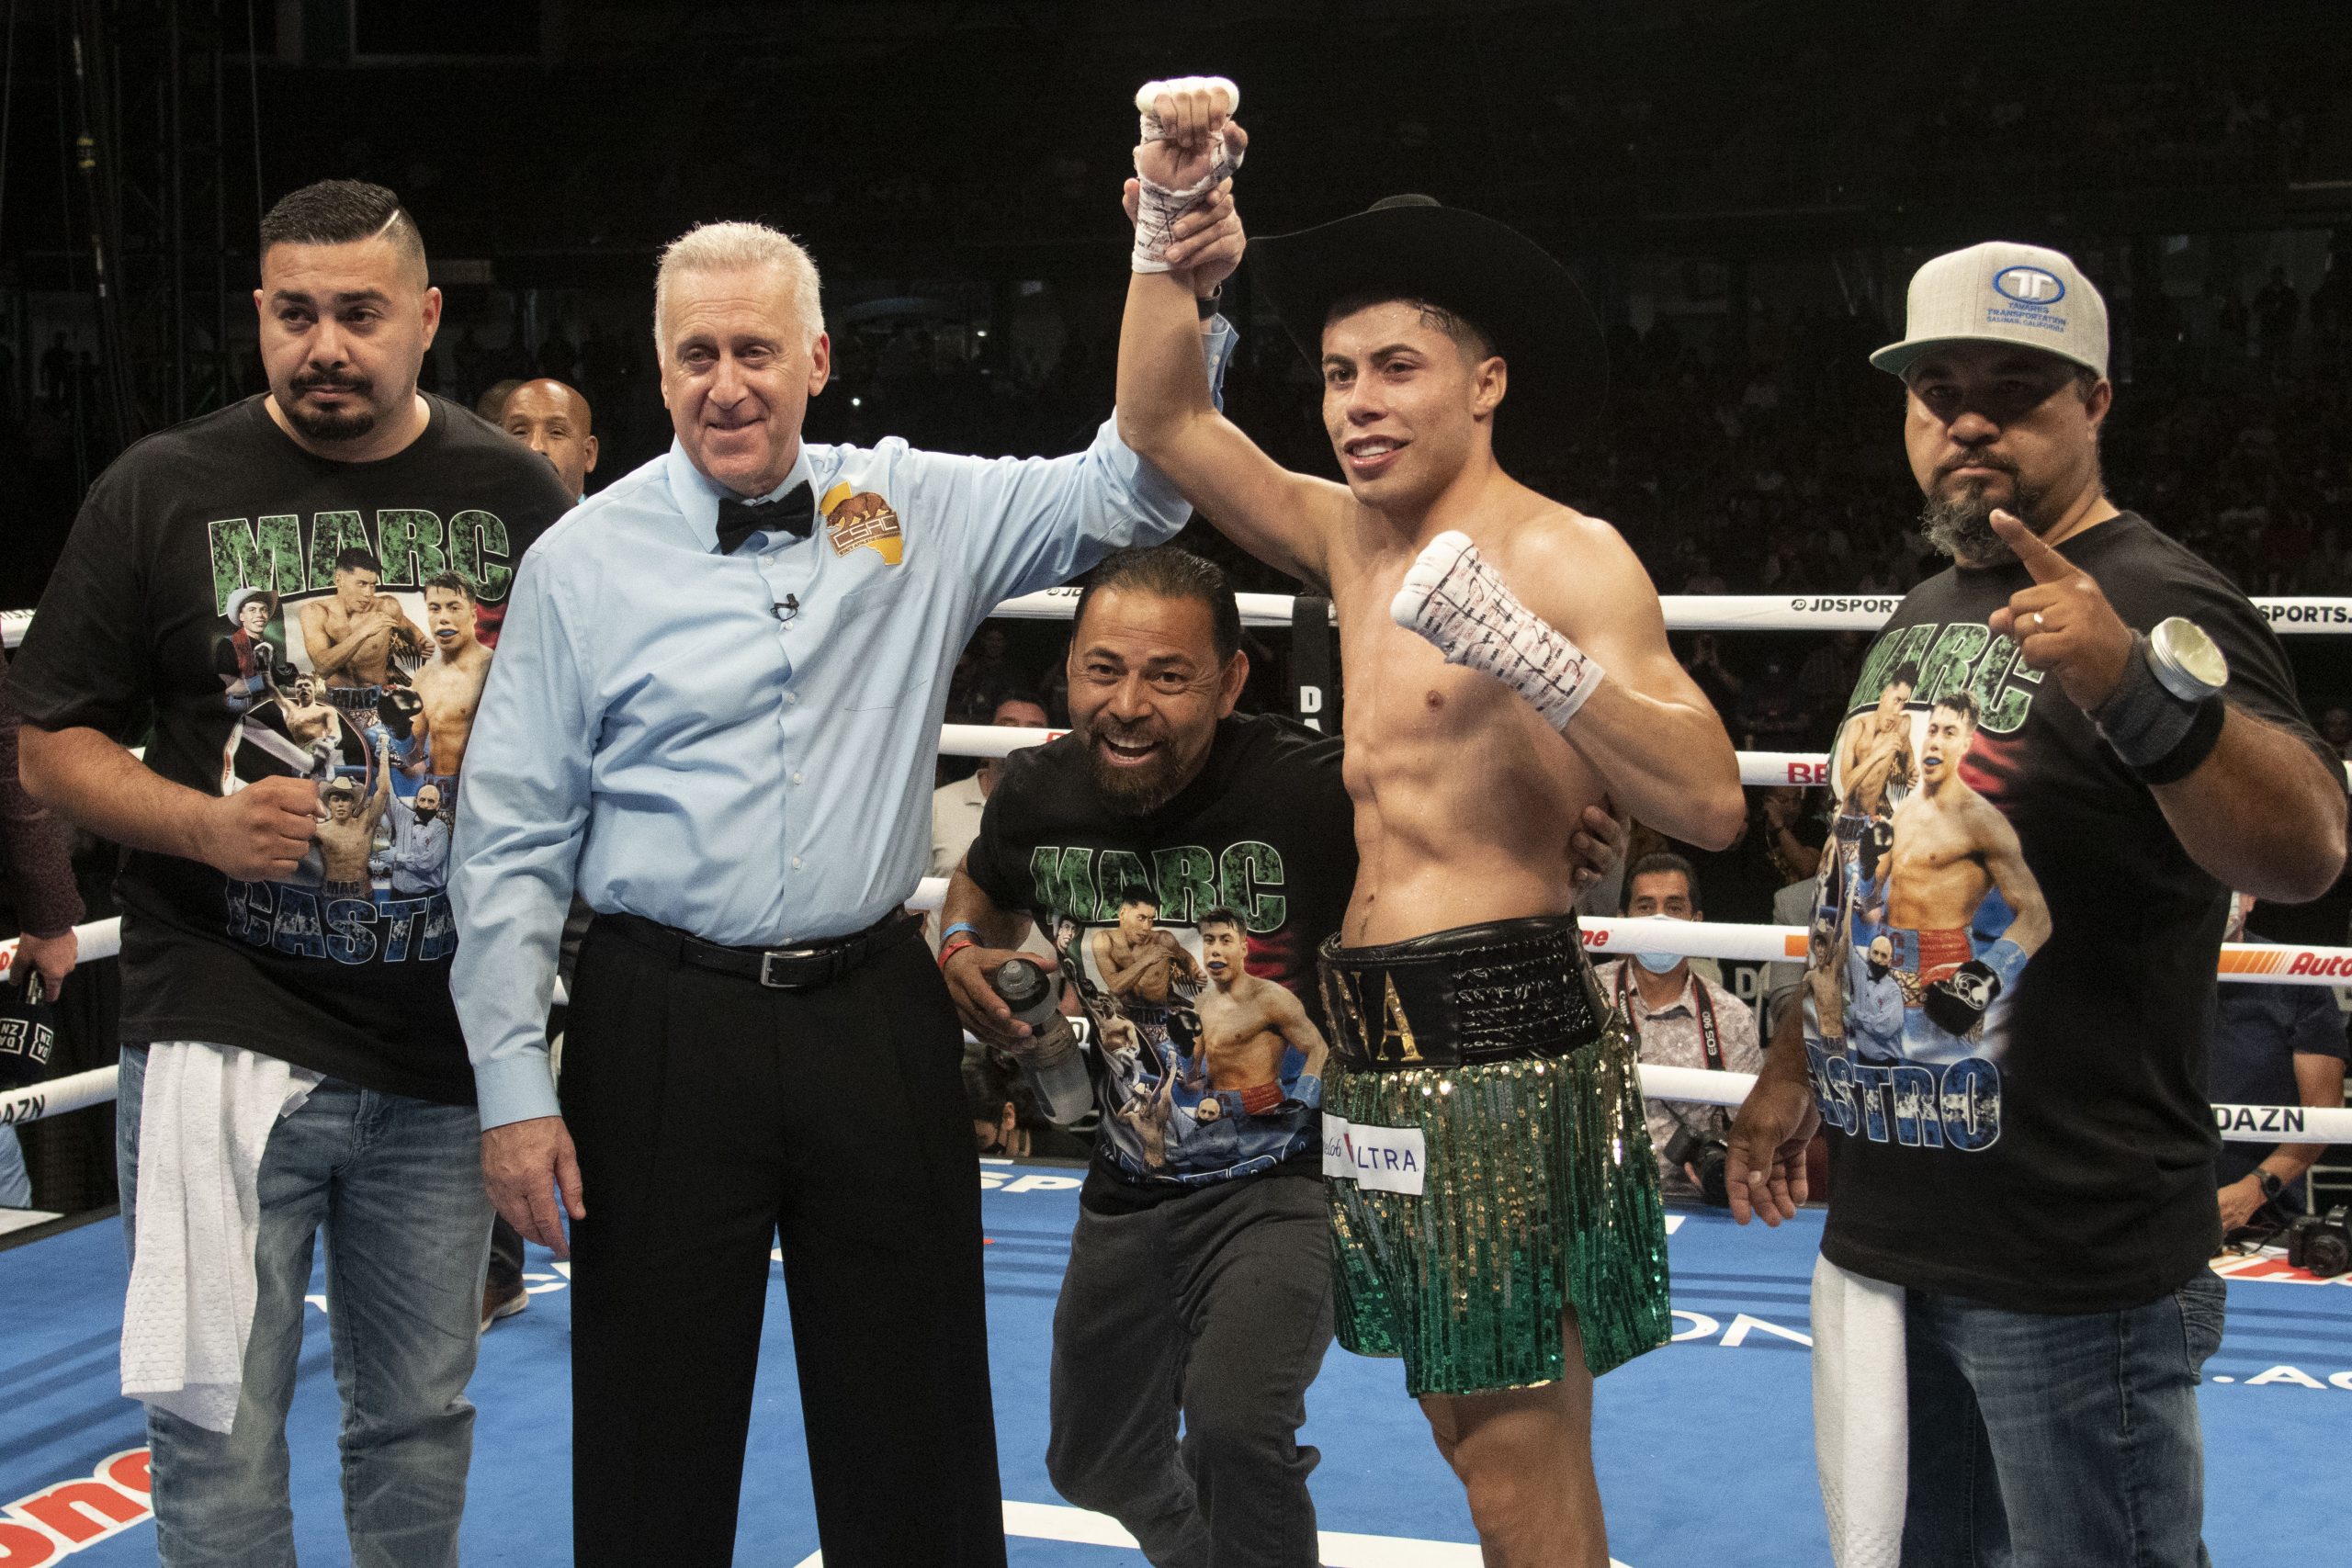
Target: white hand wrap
[1157, 206]
[1454, 599]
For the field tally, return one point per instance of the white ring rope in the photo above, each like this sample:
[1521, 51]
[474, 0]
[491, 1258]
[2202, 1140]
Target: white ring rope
[2291, 616]
[1697, 1085]
[1756, 769]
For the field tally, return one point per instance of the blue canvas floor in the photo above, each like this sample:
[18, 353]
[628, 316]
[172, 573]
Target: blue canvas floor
[1705, 1446]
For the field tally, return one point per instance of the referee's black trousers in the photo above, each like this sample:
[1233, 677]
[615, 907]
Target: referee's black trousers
[712, 1114]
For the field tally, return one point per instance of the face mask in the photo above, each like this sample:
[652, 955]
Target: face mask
[1658, 963]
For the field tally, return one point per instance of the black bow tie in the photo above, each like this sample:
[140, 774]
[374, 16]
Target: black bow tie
[793, 513]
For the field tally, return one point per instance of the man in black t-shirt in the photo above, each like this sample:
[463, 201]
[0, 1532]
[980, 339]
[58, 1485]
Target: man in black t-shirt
[2005, 1025]
[1187, 863]
[290, 1053]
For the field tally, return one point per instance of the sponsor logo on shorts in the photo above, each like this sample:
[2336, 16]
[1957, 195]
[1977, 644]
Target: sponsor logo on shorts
[1380, 1159]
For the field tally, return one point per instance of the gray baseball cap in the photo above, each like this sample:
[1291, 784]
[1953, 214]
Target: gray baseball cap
[2002, 292]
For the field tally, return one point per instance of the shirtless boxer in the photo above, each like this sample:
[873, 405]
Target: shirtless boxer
[1876, 758]
[450, 683]
[1951, 848]
[352, 637]
[308, 720]
[347, 835]
[1139, 962]
[1482, 721]
[1875, 765]
[1247, 1023]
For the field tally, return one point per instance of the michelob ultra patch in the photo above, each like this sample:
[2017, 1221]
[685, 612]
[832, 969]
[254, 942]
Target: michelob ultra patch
[1385, 1159]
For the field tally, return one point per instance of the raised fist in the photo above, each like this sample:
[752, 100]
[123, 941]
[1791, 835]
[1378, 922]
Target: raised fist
[1188, 150]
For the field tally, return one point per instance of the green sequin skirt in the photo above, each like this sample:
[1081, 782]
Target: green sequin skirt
[1540, 1195]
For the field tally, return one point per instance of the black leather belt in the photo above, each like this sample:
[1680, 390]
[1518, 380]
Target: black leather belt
[801, 968]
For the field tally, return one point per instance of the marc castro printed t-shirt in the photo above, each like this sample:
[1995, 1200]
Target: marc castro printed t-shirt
[1190, 936]
[253, 611]
[2012, 975]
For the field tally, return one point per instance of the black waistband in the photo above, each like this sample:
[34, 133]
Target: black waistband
[1497, 992]
[798, 968]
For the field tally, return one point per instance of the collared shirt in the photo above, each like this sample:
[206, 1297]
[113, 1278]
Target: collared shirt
[420, 848]
[1671, 1038]
[741, 746]
[955, 821]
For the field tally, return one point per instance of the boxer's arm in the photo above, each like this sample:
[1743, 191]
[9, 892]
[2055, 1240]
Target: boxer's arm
[1165, 415]
[1165, 412]
[2261, 813]
[1292, 1024]
[1642, 722]
[2029, 926]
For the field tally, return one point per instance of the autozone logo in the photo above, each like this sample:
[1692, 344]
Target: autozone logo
[2334, 965]
[58, 1522]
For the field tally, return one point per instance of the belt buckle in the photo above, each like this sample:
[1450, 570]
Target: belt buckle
[767, 967]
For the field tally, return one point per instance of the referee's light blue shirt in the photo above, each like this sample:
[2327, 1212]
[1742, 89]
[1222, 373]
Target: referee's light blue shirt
[655, 732]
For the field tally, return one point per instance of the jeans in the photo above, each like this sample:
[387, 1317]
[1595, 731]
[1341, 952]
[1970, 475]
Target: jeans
[2044, 1441]
[16, 1182]
[397, 1183]
[1215, 1305]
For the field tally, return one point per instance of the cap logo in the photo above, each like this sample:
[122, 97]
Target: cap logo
[2029, 284]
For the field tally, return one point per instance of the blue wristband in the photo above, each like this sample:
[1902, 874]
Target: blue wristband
[949, 934]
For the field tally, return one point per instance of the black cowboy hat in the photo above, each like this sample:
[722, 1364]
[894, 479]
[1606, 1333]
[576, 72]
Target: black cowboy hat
[1499, 280]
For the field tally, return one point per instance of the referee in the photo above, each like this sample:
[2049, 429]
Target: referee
[714, 713]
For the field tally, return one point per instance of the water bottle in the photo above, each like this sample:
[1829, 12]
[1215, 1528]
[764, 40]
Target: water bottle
[1050, 1054]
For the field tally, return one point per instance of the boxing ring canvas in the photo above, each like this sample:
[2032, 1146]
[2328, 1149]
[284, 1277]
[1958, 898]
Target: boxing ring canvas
[1705, 1447]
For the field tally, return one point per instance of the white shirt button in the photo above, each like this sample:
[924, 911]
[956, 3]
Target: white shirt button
[791, 699]
[796, 778]
[796, 862]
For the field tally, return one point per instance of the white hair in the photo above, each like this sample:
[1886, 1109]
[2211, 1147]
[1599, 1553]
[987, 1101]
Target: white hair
[737, 247]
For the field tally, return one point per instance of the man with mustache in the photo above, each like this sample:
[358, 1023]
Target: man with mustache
[2026, 1199]
[1198, 1283]
[235, 969]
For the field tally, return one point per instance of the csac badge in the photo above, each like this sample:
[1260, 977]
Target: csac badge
[861, 518]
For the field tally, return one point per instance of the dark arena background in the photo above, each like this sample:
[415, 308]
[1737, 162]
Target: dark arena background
[1742, 188]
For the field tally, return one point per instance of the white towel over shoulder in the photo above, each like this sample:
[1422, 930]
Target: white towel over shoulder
[1861, 1414]
[204, 1120]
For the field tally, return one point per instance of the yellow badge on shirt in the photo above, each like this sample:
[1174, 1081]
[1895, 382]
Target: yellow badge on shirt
[861, 518]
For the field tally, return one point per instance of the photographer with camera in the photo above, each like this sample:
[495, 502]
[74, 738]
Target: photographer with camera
[1684, 1020]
